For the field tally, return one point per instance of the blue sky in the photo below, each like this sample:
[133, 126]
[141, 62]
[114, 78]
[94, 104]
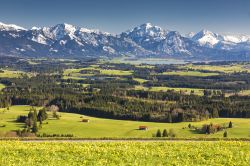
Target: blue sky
[115, 16]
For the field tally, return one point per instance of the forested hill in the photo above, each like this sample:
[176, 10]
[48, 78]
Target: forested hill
[125, 91]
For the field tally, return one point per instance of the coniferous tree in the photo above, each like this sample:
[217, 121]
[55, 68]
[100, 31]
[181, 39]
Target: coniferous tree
[34, 128]
[230, 125]
[29, 120]
[165, 133]
[158, 133]
[225, 134]
[42, 115]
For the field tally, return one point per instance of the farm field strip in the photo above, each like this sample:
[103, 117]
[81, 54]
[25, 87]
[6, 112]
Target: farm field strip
[190, 73]
[222, 68]
[75, 73]
[11, 74]
[140, 80]
[158, 89]
[124, 153]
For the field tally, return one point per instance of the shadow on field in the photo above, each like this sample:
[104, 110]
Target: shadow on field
[196, 132]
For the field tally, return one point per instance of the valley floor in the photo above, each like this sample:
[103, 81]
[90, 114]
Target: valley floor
[70, 123]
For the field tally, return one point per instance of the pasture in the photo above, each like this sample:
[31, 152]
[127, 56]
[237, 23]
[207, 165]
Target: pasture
[220, 68]
[11, 74]
[92, 71]
[191, 73]
[70, 123]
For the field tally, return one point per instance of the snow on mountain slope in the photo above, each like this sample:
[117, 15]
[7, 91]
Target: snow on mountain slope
[146, 32]
[207, 38]
[190, 34]
[224, 42]
[144, 40]
[10, 27]
[236, 38]
[146, 35]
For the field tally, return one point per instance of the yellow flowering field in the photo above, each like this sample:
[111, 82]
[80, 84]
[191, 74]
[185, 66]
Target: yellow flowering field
[125, 153]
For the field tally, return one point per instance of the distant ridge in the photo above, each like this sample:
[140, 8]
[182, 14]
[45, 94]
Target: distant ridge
[146, 40]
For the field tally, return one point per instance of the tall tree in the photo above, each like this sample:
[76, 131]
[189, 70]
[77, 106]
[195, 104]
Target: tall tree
[225, 134]
[158, 133]
[165, 133]
[230, 125]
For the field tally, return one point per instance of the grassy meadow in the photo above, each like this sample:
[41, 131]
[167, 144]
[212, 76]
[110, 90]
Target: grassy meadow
[10, 74]
[70, 123]
[220, 68]
[2, 86]
[75, 73]
[191, 73]
[140, 80]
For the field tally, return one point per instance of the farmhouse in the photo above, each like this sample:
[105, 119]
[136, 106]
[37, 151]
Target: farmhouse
[143, 128]
[86, 120]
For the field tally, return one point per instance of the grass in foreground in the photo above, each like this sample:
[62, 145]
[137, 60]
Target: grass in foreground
[70, 123]
[125, 153]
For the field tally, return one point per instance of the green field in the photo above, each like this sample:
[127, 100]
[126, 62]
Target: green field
[11, 74]
[2, 86]
[190, 73]
[182, 90]
[75, 73]
[115, 72]
[140, 80]
[220, 68]
[98, 128]
[8, 117]
[124, 153]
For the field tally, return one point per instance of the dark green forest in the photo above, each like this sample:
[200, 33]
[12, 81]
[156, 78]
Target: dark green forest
[115, 96]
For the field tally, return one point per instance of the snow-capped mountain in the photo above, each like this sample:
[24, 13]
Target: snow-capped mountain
[190, 34]
[222, 42]
[207, 38]
[146, 35]
[65, 40]
[10, 27]
[163, 42]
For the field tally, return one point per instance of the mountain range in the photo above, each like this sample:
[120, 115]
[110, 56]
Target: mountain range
[146, 40]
